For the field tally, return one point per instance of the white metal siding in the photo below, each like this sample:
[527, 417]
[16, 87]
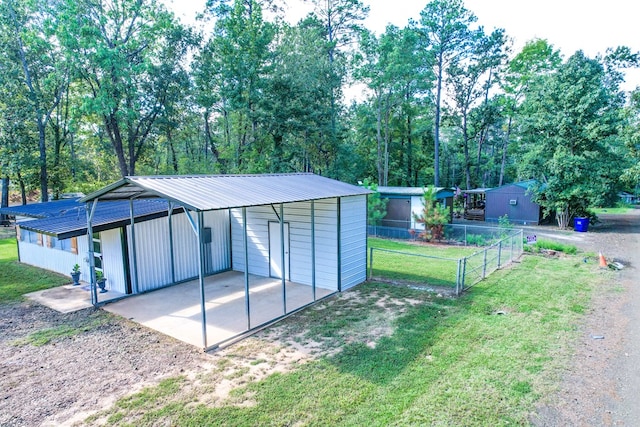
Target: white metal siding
[112, 260]
[326, 220]
[298, 216]
[56, 260]
[353, 240]
[218, 221]
[153, 250]
[153, 259]
[417, 208]
[258, 218]
[185, 247]
[51, 259]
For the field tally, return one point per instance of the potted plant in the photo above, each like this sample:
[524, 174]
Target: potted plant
[75, 275]
[101, 281]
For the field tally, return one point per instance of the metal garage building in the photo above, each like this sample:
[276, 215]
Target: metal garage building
[304, 232]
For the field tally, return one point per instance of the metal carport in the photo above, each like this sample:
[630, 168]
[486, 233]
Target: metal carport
[202, 193]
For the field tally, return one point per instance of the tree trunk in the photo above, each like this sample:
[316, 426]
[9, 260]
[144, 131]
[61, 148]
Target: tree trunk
[23, 190]
[40, 121]
[467, 162]
[504, 153]
[436, 133]
[209, 138]
[113, 130]
[562, 217]
[379, 137]
[409, 146]
[4, 201]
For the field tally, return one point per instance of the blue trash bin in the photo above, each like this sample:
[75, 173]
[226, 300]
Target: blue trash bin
[581, 224]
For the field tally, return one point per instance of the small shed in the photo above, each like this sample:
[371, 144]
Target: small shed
[515, 201]
[301, 230]
[406, 202]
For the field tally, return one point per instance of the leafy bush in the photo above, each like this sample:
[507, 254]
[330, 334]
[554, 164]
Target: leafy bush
[477, 240]
[503, 222]
[549, 245]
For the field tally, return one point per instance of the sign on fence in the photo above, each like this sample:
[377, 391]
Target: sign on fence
[532, 239]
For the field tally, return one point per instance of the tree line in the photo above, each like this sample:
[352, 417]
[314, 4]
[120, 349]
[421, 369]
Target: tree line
[94, 90]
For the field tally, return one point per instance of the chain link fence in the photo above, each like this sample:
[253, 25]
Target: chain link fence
[501, 247]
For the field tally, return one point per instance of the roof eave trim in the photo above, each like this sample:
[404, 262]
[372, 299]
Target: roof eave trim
[127, 181]
[109, 188]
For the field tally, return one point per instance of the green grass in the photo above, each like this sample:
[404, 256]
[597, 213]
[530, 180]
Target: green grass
[548, 244]
[17, 279]
[444, 362]
[618, 210]
[439, 269]
[70, 329]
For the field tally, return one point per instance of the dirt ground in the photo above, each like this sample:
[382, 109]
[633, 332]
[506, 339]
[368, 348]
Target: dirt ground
[75, 376]
[602, 385]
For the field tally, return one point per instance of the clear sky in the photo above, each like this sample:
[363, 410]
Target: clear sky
[569, 25]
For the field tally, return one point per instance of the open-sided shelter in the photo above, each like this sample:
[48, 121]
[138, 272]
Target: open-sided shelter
[306, 232]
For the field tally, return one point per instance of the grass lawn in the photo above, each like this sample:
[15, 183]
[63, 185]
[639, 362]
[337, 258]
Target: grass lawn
[437, 271]
[483, 359]
[618, 210]
[18, 279]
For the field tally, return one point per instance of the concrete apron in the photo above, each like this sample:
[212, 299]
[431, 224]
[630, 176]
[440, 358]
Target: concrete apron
[69, 298]
[175, 310]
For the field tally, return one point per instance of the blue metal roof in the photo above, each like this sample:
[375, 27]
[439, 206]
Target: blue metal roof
[441, 192]
[72, 220]
[42, 210]
[522, 184]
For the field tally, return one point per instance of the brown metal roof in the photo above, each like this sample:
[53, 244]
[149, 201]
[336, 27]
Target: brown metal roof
[211, 192]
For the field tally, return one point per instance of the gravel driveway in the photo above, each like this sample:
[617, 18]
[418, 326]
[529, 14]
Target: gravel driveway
[602, 386]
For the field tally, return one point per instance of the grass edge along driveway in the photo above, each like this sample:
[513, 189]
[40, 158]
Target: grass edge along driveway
[484, 359]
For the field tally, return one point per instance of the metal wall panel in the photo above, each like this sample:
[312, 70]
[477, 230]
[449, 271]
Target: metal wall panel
[185, 247]
[353, 240]
[219, 250]
[152, 254]
[112, 260]
[298, 216]
[525, 211]
[51, 259]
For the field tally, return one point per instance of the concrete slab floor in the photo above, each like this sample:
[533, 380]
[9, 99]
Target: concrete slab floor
[69, 298]
[175, 310]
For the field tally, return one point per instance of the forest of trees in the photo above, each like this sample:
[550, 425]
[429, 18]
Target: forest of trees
[94, 90]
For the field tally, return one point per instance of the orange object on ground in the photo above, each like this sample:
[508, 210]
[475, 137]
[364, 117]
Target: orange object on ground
[603, 262]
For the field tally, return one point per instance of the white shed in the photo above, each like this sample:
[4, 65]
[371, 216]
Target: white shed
[303, 230]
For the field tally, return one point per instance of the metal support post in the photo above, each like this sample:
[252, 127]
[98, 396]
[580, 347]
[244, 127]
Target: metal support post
[91, 208]
[313, 248]
[134, 257]
[246, 267]
[203, 307]
[284, 264]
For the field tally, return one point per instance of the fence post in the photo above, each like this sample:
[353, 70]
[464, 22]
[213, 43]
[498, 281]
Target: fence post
[484, 264]
[465, 235]
[370, 263]
[499, 252]
[464, 273]
[511, 259]
[520, 243]
[458, 287]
